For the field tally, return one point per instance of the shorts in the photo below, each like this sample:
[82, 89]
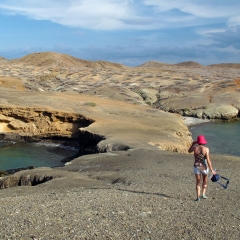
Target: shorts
[198, 171]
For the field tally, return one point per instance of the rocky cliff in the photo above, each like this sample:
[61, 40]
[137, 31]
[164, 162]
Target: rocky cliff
[31, 121]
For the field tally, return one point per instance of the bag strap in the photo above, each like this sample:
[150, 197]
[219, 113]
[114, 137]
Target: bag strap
[226, 185]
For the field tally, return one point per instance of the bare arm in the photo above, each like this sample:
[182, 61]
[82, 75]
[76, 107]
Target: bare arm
[209, 161]
[191, 149]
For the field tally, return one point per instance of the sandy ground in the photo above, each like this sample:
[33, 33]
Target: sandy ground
[137, 194]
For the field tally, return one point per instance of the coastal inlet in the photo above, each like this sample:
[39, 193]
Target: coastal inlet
[39, 137]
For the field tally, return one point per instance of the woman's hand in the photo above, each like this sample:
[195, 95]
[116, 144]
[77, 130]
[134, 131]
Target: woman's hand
[191, 149]
[213, 172]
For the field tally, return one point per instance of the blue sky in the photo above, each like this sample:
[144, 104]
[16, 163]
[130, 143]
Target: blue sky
[130, 32]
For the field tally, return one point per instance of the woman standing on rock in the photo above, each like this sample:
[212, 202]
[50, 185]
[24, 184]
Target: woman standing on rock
[202, 164]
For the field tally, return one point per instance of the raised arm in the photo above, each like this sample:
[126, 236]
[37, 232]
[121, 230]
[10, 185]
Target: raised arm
[191, 149]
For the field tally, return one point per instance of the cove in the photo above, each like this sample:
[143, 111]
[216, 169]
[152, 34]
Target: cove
[15, 155]
[223, 138]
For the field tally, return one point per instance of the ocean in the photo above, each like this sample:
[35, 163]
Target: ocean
[222, 138]
[21, 155]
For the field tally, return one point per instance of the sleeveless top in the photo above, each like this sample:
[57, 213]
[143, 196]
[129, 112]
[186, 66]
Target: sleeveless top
[200, 160]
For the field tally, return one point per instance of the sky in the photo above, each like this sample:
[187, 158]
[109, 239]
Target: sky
[130, 32]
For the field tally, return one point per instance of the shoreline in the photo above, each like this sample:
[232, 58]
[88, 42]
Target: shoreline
[191, 121]
[188, 121]
[222, 137]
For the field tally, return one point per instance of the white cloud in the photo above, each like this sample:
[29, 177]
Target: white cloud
[93, 14]
[234, 21]
[199, 8]
[210, 31]
[123, 14]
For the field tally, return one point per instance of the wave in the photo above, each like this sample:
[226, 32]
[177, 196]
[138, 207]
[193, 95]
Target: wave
[4, 141]
[56, 145]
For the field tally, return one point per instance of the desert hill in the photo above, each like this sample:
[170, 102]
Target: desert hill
[152, 64]
[189, 64]
[155, 64]
[3, 60]
[225, 65]
[52, 59]
[186, 88]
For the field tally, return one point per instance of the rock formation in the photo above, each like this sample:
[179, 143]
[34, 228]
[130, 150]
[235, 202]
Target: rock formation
[40, 121]
[107, 122]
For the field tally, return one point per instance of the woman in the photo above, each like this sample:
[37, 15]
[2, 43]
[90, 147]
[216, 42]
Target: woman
[202, 164]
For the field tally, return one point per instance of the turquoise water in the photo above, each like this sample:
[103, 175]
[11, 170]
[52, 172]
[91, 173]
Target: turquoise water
[21, 155]
[223, 138]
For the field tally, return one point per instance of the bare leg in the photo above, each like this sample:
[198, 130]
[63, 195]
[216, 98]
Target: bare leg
[204, 184]
[198, 185]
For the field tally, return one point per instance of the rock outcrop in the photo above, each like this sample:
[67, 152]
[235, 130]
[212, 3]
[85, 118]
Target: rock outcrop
[34, 177]
[215, 111]
[101, 125]
[29, 121]
[25, 179]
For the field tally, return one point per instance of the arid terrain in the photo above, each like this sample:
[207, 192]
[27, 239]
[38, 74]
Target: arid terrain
[187, 88]
[140, 184]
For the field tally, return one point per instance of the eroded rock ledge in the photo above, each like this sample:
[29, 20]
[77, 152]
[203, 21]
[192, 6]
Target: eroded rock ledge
[33, 177]
[36, 124]
[41, 122]
[102, 126]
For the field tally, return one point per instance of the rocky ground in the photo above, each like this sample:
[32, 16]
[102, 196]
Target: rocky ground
[138, 194]
[141, 193]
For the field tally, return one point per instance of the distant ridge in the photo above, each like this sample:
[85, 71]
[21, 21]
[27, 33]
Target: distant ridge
[54, 59]
[189, 64]
[225, 65]
[153, 64]
[2, 60]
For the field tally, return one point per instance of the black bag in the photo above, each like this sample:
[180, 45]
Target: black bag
[217, 177]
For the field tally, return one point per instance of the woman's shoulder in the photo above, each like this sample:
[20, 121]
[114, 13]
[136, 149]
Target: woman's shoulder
[205, 149]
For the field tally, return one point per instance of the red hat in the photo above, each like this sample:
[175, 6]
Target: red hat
[201, 140]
